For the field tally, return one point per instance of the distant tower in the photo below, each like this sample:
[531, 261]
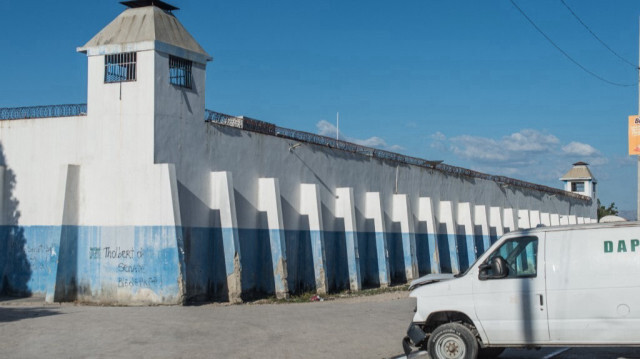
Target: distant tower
[580, 180]
[146, 73]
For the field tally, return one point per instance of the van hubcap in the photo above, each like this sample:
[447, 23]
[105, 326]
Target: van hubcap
[450, 347]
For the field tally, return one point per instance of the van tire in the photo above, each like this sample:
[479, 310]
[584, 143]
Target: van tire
[452, 341]
[490, 353]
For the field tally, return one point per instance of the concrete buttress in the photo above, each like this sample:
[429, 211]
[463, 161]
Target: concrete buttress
[464, 220]
[269, 202]
[445, 217]
[402, 213]
[373, 210]
[425, 214]
[345, 209]
[223, 200]
[311, 207]
[480, 221]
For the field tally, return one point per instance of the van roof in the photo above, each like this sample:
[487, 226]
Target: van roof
[573, 227]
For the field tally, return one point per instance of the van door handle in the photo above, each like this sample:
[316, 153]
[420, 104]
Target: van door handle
[541, 299]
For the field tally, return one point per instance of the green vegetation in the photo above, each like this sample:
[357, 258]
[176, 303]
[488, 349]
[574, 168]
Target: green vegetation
[612, 210]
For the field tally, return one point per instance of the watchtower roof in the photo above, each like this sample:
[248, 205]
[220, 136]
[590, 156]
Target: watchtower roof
[142, 3]
[579, 171]
[143, 24]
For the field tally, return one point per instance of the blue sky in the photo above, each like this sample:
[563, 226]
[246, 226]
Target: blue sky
[468, 82]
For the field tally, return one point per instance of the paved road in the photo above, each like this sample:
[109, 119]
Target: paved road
[365, 327]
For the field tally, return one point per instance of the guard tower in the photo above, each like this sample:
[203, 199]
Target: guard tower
[580, 180]
[146, 80]
[145, 72]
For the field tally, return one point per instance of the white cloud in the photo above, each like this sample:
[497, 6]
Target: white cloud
[326, 128]
[528, 140]
[579, 149]
[527, 154]
[371, 142]
[439, 136]
[478, 149]
[516, 149]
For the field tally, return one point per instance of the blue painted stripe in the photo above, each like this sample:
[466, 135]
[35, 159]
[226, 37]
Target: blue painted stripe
[382, 258]
[230, 239]
[448, 250]
[471, 250]
[407, 255]
[434, 257]
[85, 263]
[89, 262]
[278, 256]
[353, 261]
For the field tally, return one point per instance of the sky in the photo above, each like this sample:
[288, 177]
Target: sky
[472, 83]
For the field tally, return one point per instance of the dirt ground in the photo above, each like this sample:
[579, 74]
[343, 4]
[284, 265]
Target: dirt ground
[360, 327]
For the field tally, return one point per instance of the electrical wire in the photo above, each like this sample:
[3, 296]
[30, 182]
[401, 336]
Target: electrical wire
[596, 36]
[565, 53]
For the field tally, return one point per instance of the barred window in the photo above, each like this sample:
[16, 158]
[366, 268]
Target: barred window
[577, 186]
[179, 72]
[120, 67]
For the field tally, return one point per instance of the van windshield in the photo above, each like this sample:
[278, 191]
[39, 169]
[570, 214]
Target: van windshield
[520, 254]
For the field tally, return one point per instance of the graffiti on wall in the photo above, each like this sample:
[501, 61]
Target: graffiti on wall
[129, 263]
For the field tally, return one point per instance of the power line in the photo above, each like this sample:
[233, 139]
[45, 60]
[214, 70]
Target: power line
[565, 53]
[596, 36]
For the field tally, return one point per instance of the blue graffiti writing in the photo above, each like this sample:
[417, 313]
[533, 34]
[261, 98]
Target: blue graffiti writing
[119, 253]
[128, 268]
[41, 248]
[138, 282]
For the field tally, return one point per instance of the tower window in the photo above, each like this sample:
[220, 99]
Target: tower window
[120, 67]
[577, 186]
[179, 72]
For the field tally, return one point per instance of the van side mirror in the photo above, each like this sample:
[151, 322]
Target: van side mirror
[497, 268]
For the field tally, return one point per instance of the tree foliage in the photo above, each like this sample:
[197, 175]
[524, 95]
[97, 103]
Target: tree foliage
[612, 210]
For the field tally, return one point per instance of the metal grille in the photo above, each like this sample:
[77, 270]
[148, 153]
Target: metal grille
[222, 119]
[120, 67]
[18, 113]
[179, 72]
[306, 137]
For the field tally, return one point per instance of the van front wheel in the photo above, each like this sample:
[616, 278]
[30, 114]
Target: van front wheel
[452, 341]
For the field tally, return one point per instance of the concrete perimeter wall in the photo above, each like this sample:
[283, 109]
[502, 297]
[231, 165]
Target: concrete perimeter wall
[229, 214]
[308, 217]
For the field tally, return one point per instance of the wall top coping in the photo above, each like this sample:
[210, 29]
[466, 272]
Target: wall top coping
[249, 124]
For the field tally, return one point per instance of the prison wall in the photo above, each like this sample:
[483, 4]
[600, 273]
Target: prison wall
[377, 222]
[223, 213]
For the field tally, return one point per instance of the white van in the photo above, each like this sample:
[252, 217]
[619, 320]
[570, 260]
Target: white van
[549, 286]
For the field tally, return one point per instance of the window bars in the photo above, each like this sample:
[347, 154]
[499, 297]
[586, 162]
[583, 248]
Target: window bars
[180, 72]
[120, 67]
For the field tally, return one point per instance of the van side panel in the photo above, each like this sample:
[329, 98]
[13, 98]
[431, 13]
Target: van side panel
[593, 285]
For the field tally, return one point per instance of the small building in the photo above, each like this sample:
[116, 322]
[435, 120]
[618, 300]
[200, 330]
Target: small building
[580, 180]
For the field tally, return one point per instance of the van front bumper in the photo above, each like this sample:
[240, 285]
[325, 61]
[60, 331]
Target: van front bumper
[415, 337]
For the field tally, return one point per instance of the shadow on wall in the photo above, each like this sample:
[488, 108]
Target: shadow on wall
[14, 262]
